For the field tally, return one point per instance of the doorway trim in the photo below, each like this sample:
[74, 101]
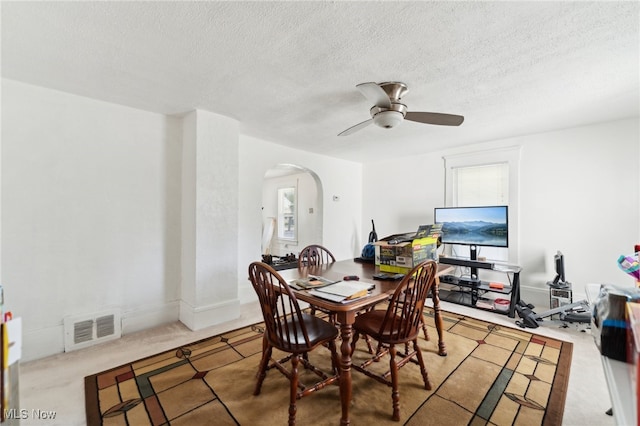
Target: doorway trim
[286, 169]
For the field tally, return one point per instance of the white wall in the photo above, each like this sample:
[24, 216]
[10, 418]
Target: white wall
[342, 231]
[91, 196]
[580, 196]
[579, 193]
[91, 208]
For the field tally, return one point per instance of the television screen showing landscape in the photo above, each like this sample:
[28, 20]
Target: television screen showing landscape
[482, 226]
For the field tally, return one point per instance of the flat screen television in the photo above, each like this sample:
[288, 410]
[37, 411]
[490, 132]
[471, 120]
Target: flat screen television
[474, 226]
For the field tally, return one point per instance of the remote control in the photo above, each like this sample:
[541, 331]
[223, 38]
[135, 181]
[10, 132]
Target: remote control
[351, 278]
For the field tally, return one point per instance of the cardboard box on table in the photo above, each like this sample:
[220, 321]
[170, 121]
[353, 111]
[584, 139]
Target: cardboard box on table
[402, 257]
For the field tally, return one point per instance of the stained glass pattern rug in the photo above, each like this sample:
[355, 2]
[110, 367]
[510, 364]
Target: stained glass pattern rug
[492, 375]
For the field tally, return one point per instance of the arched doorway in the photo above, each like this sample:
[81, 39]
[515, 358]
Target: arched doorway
[292, 209]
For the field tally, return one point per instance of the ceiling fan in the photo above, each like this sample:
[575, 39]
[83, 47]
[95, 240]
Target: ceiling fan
[388, 112]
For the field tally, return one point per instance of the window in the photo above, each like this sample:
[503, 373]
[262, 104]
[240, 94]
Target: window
[484, 185]
[287, 204]
[486, 178]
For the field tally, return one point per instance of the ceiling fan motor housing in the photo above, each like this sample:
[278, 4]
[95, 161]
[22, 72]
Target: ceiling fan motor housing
[394, 89]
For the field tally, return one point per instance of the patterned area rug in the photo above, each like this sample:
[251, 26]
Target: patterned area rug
[492, 375]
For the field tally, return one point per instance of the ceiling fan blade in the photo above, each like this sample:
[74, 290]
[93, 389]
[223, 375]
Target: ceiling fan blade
[435, 118]
[355, 128]
[374, 93]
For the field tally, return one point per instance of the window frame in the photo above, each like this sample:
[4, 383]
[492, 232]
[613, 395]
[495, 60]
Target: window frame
[281, 215]
[508, 155]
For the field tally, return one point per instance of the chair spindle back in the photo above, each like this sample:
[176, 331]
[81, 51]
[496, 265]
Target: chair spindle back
[315, 255]
[403, 319]
[282, 315]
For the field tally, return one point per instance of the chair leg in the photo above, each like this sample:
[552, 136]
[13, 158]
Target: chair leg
[264, 363]
[424, 330]
[395, 394]
[293, 392]
[366, 336]
[423, 370]
[368, 340]
[354, 339]
[335, 361]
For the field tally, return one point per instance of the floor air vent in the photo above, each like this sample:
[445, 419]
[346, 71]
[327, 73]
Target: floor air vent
[88, 330]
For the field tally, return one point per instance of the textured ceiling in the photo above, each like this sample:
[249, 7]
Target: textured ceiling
[287, 71]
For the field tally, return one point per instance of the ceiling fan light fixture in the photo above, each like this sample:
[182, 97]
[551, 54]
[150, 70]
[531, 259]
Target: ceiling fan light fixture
[388, 119]
[387, 110]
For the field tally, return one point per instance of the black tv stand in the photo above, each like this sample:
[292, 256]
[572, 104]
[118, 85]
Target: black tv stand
[463, 281]
[470, 288]
[466, 262]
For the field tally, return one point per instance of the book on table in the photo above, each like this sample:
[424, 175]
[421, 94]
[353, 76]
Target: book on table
[312, 281]
[343, 291]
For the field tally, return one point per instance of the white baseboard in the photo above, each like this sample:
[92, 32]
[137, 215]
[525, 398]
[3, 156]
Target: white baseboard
[49, 341]
[246, 294]
[40, 343]
[199, 317]
[144, 318]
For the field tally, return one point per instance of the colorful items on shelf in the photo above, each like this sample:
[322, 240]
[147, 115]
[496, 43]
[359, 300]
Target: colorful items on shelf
[630, 265]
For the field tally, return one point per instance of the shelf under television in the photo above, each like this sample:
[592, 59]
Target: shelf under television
[463, 295]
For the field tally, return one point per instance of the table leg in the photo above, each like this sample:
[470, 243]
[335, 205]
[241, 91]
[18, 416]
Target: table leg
[345, 371]
[435, 296]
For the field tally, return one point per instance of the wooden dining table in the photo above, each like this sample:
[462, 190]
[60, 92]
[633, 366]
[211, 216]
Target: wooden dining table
[345, 313]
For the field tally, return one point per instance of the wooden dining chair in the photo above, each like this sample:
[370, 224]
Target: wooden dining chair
[290, 330]
[399, 324]
[314, 255]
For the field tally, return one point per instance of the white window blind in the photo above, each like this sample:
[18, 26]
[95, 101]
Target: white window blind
[486, 178]
[486, 185]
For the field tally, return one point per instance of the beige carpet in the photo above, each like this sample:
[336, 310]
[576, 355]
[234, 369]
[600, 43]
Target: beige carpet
[492, 374]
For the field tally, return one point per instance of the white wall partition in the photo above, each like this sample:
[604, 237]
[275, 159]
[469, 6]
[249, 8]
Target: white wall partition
[209, 220]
